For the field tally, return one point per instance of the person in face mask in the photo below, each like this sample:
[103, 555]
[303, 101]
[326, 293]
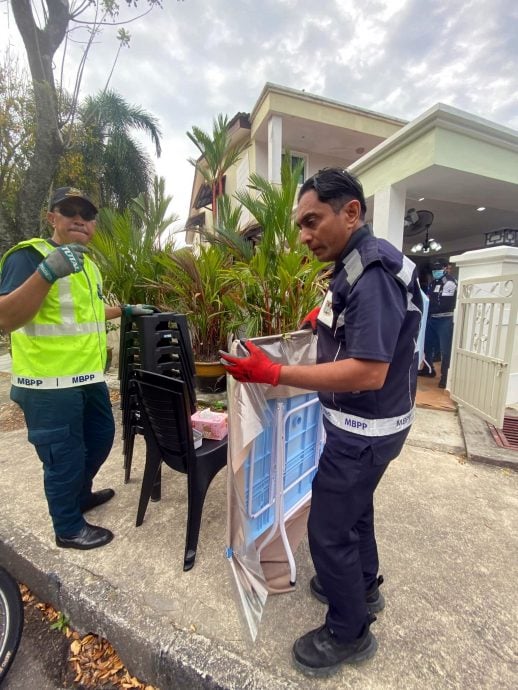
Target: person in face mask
[442, 293]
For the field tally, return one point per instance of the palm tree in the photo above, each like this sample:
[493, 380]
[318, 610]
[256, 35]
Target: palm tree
[152, 211]
[110, 154]
[127, 247]
[218, 154]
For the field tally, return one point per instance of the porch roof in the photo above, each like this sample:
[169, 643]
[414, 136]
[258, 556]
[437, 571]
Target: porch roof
[456, 163]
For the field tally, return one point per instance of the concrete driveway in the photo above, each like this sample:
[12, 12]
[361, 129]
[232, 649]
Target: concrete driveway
[448, 545]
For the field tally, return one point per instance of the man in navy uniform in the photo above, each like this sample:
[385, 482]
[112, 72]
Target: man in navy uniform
[442, 293]
[366, 377]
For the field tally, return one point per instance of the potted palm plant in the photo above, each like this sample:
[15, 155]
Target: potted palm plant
[280, 281]
[203, 288]
[127, 245]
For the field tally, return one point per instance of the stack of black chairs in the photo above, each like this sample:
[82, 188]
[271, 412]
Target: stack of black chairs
[158, 343]
[129, 360]
[158, 397]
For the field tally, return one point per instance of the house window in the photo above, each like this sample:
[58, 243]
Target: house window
[297, 158]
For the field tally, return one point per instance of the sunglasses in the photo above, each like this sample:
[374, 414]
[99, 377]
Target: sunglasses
[71, 211]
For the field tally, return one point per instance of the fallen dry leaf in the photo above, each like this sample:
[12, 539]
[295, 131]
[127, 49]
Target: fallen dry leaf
[75, 647]
[93, 659]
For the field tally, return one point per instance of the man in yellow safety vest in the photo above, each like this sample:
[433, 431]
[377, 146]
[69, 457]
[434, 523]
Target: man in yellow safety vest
[52, 304]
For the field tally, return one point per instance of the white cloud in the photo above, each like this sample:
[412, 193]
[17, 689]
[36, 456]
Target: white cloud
[196, 58]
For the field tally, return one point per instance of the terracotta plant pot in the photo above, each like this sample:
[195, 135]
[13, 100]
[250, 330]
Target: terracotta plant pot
[210, 377]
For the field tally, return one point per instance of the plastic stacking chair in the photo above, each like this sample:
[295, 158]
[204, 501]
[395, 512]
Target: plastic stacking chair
[166, 348]
[164, 403]
[158, 343]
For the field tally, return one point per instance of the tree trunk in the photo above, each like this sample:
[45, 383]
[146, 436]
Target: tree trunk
[8, 234]
[214, 203]
[40, 45]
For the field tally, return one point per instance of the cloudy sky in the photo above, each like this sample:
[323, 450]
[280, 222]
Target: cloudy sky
[196, 58]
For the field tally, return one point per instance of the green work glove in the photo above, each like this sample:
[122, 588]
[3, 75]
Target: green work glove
[137, 309]
[62, 262]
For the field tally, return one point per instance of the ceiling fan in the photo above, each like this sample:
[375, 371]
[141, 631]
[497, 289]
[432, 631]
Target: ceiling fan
[416, 221]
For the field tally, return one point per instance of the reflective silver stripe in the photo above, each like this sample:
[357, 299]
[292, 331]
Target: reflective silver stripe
[353, 266]
[66, 302]
[43, 329]
[407, 270]
[440, 316]
[369, 427]
[53, 382]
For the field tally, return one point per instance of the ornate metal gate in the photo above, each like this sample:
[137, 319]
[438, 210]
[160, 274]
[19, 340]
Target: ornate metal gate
[484, 333]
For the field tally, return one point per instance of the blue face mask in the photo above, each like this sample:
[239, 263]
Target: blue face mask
[438, 274]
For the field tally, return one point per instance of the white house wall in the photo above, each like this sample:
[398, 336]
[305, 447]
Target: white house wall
[452, 160]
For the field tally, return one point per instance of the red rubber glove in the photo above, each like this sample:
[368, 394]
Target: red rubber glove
[257, 368]
[311, 319]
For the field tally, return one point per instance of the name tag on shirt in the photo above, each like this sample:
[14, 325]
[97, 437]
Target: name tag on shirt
[437, 288]
[325, 315]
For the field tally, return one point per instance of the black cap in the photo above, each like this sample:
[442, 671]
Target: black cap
[440, 263]
[63, 193]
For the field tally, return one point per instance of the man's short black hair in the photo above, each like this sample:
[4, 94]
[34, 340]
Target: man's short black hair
[439, 263]
[335, 186]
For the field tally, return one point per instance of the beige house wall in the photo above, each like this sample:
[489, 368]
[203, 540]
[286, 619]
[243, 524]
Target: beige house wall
[316, 162]
[278, 100]
[462, 152]
[409, 159]
[446, 155]
[230, 183]
[324, 112]
[475, 153]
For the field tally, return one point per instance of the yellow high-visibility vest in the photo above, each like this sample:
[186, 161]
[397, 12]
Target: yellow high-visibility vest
[64, 345]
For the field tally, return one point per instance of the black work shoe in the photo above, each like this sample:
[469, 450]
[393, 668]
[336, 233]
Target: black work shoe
[442, 383]
[320, 653]
[90, 537]
[427, 371]
[374, 598]
[97, 498]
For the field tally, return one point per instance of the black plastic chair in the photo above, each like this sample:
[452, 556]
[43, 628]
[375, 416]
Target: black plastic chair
[158, 343]
[131, 411]
[164, 404]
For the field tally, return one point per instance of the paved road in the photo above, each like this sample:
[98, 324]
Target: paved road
[41, 661]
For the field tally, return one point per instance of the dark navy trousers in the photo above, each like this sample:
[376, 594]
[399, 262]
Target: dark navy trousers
[72, 430]
[439, 336]
[341, 523]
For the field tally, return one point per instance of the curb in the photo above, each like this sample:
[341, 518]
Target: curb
[147, 642]
[480, 444]
[440, 446]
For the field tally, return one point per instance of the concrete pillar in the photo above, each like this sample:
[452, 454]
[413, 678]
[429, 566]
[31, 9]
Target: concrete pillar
[487, 263]
[484, 263]
[389, 214]
[274, 148]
